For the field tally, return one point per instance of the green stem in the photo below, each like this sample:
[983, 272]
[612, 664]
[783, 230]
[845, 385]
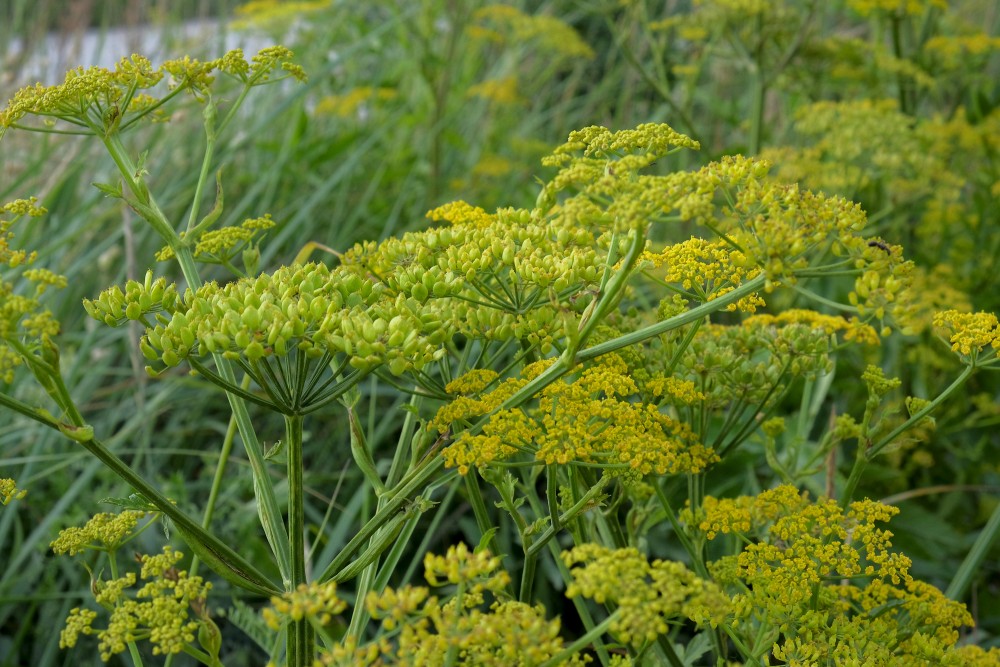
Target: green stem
[300, 644]
[614, 289]
[585, 640]
[133, 650]
[923, 412]
[753, 285]
[865, 455]
[696, 560]
[479, 510]
[974, 560]
[227, 563]
[201, 656]
[395, 500]
[897, 51]
[267, 503]
[206, 163]
[136, 184]
[584, 504]
[220, 471]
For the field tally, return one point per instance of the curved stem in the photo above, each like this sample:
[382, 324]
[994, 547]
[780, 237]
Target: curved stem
[753, 285]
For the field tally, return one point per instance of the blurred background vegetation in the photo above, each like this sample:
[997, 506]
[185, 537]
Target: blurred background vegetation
[413, 104]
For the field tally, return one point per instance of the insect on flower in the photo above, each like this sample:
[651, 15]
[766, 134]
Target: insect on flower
[879, 244]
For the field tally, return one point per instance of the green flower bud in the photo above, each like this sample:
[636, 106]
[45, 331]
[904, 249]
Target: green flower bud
[147, 350]
[209, 636]
[254, 351]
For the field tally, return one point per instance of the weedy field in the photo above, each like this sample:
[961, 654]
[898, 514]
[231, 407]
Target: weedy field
[614, 332]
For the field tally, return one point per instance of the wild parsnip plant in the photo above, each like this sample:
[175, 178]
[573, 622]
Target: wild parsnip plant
[637, 422]
[561, 363]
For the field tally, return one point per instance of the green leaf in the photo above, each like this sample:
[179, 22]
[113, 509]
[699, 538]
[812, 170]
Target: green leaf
[135, 501]
[244, 617]
[484, 541]
[275, 451]
[109, 189]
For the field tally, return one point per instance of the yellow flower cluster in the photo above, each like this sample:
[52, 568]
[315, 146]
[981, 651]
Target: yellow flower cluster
[105, 532]
[459, 564]
[674, 390]
[24, 324]
[267, 13]
[460, 212]
[427, 629]
[589, 420]
[707, 269]
[955, 51]
[853, 330]
[9, 491]
[473, 382]
[316, 601]
[741, 514]
[221, 245]
[499, 91]
[792, 577]
[158, 612]
[354, 103]
[969, 333]
[649, 596]
[899, 7]
[99, 100]
[505, 24]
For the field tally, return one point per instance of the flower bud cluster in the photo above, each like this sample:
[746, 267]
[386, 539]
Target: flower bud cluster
[139, 299]
[746, 361]
[306, 308]
[497, 277]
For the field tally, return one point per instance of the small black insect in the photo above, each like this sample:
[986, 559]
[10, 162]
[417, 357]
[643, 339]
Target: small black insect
[879, 244]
